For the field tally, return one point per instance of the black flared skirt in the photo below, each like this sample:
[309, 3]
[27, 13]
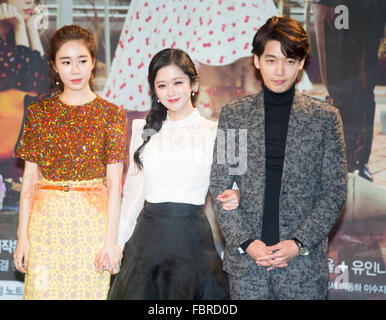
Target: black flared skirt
[170, 256]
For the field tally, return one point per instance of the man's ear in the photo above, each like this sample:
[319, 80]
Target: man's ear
[256, 61]
[301, 64]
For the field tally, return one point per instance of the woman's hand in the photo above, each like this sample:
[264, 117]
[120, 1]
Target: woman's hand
[14, 17]
[109, 258]
[11, 14]
[34, 20]
[31, 176]
[32, 24]
[230, 199]
[21, 255]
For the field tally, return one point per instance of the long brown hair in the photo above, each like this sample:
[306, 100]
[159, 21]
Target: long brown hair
[61, 36]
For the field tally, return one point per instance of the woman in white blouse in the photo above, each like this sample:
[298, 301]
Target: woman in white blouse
[170, 253]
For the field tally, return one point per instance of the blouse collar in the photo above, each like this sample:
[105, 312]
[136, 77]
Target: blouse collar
[183, 122]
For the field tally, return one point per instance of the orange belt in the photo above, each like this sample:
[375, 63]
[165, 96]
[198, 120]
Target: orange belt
[70, 188]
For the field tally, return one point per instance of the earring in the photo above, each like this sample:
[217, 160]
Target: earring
[193, 93]
[157, 100]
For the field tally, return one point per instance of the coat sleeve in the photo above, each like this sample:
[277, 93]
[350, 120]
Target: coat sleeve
[327, 209]
[134, 189]
[232, 223]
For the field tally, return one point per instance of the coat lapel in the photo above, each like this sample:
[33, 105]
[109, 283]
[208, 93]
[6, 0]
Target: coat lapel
[298, 122]
[256, 123]
[256, 136]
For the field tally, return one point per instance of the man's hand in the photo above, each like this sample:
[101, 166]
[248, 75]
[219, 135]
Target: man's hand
[283, 252]
[257, 249]
[230, 199]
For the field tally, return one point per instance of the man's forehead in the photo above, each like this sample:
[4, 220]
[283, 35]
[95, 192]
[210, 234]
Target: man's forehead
[275, 56]
[274, 48]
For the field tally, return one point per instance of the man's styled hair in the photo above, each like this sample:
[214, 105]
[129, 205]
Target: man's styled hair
[291, 35]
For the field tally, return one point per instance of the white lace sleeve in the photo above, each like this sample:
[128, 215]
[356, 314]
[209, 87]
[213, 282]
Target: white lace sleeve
[133, 190]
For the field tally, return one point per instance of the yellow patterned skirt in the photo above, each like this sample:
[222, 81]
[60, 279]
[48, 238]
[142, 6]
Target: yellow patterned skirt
[66, 231]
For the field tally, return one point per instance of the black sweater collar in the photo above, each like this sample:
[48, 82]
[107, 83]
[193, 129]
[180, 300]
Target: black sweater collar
[282, 99]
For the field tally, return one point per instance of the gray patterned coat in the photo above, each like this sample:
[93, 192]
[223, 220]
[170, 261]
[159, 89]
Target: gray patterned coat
[313, 189]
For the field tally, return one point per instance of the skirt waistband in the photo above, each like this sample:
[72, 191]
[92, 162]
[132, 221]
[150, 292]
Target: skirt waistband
[94, 191]
[71, 183]
[94, 185]
[173, 209]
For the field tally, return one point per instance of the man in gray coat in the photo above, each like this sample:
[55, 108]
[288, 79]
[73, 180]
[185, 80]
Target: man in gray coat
[290, 171]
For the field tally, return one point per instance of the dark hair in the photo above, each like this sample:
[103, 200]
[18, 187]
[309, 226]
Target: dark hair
[158, 111]
[291, 35]
[61, 36]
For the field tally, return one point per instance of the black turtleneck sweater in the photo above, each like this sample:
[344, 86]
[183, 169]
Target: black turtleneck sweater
[277, 108]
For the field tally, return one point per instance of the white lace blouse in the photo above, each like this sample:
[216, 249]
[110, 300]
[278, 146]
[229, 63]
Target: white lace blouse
[176, 167]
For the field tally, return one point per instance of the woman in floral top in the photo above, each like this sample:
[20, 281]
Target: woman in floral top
[73, 144]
